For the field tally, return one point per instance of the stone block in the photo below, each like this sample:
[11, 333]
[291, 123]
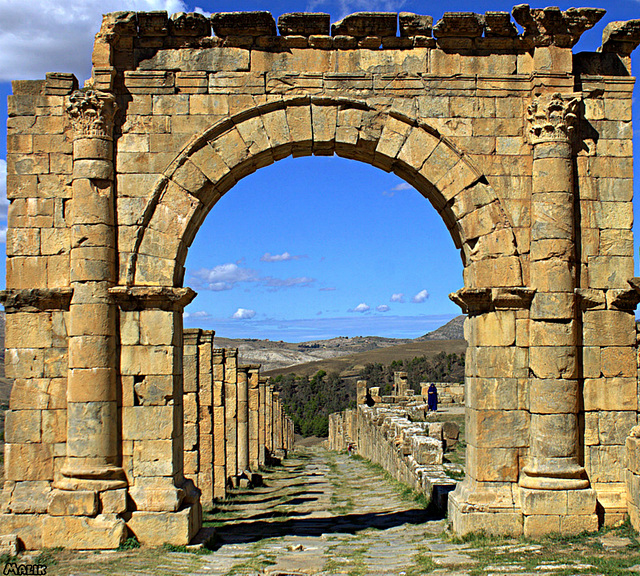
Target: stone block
[29, 461]
[113, 501]
[177, 528]
[103, 532]
[73, 503]
[541, 525]
[304, 24]
[541, 502]
[610, 394]
[578, 524]
[426, 450]
[497, 428]
[492, 464]
[28, 528]
[147, 422]
[23, 426]
[30, 497]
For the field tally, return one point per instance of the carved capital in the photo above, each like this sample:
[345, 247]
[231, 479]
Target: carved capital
[552, 118]
[92, 113]
[152, 297]
[621, 37]
[36, 299]
[480, 300]
[553, 27]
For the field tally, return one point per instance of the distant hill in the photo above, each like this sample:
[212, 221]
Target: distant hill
[452, 330]
[350, 366]
[344, 355]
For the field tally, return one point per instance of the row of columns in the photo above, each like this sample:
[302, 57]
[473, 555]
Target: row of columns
[234, 422]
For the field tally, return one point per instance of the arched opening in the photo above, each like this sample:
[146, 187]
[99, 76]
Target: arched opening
[215, 160]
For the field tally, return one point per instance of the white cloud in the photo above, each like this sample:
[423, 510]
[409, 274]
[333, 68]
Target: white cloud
[287, 282]
[397, 297]
[202, 11]
[198, 314]
[43, 36]
[224, 276]
[362, 307]
[420, 297]
[243, 314]
[383, 308]
[327, 289]
[284, 257]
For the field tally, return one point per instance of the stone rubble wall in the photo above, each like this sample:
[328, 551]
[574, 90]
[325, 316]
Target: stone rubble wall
[412, 452]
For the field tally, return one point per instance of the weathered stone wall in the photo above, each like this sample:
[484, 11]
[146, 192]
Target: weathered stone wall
[523, 148]
[412, 452]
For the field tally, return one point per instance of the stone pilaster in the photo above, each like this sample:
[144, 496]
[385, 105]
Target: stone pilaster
[262, 422]
[93, 451]
[269, 419]
[231, 412]
[254, 405]
[243, 419]
[219, 428]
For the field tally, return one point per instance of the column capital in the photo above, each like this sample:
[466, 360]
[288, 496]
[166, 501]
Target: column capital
[92, 113]
[166, 298]
[552, 118]
[36, 299]
[481, 300]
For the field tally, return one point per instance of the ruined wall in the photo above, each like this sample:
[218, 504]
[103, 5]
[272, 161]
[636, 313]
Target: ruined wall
[412, 452]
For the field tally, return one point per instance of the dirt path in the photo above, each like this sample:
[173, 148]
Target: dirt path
[325, 513]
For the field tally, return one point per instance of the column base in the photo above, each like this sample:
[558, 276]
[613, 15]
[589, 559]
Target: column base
[573, 478]
[567, 512]
[479, 507]
[97, 478]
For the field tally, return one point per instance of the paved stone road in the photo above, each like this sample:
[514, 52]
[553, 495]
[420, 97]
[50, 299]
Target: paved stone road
[324, 513]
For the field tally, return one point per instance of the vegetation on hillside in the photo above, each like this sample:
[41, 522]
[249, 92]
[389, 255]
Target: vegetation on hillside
[441, 368]
[310, 400]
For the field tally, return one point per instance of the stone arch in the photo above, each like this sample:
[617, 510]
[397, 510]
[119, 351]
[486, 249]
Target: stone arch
[212, 162]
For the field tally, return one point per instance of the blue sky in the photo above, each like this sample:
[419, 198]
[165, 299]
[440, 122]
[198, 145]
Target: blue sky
[306, 248]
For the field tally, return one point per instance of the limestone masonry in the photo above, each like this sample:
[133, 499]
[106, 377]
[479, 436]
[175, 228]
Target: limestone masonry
[523, 147]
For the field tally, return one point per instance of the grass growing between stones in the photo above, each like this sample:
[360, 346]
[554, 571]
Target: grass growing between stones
[405, 492]
[561, 554]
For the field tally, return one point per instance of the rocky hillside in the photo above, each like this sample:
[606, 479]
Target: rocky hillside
[452, 330]
[277, 357]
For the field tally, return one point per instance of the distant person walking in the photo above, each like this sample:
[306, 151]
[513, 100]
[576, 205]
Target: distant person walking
[432, 398]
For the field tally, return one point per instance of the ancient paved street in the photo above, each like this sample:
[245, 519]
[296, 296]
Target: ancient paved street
[326, 513]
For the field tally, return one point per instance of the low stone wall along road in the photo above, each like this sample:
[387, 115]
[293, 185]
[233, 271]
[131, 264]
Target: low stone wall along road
[325, 513]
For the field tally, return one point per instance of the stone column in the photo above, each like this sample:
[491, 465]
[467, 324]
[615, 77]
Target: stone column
[205, 419]
[254, 401]
[269, 419]
[231, 411]
[93, 451]
[191, 341]
[361, 391]
[400, 383]
[553, 388]
[262, 424]
[277, 422]
[219, 429]
[243, 419]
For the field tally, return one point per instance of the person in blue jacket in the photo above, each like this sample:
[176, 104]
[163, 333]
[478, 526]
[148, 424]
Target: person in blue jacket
[432, 397]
